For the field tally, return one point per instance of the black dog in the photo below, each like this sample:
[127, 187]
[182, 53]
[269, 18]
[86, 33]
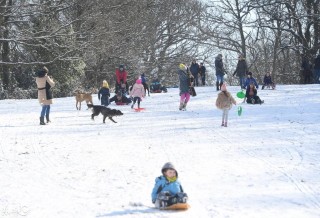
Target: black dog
[106, 112]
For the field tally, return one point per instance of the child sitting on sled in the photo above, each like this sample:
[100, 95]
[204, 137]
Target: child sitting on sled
[168, 190]
[267, 82]
[120, 99]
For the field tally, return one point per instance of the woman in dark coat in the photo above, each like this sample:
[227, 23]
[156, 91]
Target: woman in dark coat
[219, 71]
[241, 71]
[44, 84]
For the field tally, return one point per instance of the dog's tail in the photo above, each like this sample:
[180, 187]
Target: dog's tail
[90, 105]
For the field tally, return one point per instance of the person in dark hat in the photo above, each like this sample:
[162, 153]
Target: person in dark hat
[44, 85]
[120, 99]
[252, 95]
[250, 80]
[168, 190]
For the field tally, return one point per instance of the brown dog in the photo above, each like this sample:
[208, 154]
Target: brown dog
[80, 97]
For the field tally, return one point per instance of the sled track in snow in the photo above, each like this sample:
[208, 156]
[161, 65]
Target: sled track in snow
[302, 187]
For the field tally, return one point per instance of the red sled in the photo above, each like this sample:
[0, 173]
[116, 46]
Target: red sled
[121, 103]
[178, 206]
[138, 109]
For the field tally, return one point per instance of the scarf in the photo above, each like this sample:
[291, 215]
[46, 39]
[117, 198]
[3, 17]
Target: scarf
[173, 179]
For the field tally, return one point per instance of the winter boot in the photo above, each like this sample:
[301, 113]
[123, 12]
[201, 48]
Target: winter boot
[225, 124]
[181, 106]
[220, 85]
[182, 197]
[163, 199]
[184, 106]
[47, 118]
[42, 121]
[217, 84]
[222, 124]
[132, 105]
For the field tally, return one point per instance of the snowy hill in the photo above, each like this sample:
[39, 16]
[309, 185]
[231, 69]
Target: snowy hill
[264, 164]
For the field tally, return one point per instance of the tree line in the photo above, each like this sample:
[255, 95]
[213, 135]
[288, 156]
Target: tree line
[81, 42]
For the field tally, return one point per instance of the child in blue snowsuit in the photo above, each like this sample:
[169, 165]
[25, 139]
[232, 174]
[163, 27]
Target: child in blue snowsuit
[168, 189]
[104, 93]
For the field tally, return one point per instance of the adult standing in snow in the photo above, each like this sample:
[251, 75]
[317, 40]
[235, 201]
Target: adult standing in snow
[195, 69]
[241, 70]
[44, 84]
[203, 74]
[219, 71]
[184, 86]
[306, 70]
[121, 76]
[316, 69]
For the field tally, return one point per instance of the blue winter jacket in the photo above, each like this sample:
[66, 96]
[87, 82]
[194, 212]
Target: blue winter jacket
[143, 78]
[250, 80]
[194, 68]
[162, 184]
[104, 92]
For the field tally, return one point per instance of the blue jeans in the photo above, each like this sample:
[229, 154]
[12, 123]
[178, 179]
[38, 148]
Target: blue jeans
[317, 76]
[45, 110]
[220, 78]
[242, 80]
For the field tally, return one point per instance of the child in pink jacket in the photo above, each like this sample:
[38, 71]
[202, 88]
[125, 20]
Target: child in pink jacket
[137, 92]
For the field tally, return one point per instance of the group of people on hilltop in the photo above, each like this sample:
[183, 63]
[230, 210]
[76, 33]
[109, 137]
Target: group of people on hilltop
[136, 92]
[198, 72]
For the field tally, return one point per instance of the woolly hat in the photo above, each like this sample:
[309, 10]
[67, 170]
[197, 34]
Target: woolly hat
[182, 67]
[138, 81]
[42, 72]
[249, 73]
[167, 166]
[224, 87]
[105, 84]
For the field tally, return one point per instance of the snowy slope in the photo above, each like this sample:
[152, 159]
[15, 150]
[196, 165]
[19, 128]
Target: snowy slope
[265, 164]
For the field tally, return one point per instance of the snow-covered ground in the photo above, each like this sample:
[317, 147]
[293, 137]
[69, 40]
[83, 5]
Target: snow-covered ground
[265, 164]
